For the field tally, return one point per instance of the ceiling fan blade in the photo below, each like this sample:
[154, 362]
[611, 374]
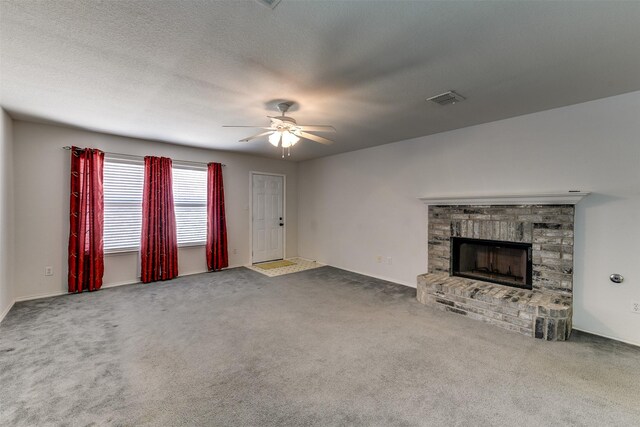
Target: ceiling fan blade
[317, 128]
[315, 138]
[249, 138]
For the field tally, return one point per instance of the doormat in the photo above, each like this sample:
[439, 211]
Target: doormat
[275, 264]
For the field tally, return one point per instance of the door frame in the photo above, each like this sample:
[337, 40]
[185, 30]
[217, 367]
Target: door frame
[284, 211]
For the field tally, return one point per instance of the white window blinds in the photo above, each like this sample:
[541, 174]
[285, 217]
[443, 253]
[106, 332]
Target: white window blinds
[123, 181]
[123, 185]
[190, 201]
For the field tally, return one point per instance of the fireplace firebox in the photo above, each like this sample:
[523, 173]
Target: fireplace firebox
[505, 263]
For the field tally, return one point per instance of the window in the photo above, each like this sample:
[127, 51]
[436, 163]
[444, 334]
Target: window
[123, 184]
[123, 181]
[190, 201]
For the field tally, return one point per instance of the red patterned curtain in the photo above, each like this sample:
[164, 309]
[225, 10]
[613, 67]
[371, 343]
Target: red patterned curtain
[217, 257]
[159, 245]
[86, 220]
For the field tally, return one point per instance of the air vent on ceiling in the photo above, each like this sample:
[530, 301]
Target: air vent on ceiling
[447, 98]
[269, 3]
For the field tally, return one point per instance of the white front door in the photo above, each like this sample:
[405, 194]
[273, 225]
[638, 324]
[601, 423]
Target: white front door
[267, 217]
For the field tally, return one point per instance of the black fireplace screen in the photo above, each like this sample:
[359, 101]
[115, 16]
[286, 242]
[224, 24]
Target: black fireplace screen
[506, 263]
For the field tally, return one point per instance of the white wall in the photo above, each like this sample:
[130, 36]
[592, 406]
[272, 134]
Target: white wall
[6, 213]
[42, 204]
[356, 206]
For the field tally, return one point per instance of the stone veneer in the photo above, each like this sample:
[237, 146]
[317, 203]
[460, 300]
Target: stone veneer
[549, 228]
[543, 312]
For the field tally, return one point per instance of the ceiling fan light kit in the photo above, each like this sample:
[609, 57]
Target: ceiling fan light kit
[285, 138]
[285, 132]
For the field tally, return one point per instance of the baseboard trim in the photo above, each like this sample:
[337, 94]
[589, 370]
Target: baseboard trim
[110, 285]
[39, 296]
[386, 279]
[116, 284]
[6, 311]
[607, 336]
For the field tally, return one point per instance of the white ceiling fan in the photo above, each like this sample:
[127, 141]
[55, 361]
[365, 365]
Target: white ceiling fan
[285, 132]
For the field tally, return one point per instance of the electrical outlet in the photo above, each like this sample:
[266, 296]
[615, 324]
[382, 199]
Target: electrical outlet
[389, 260]
[635, 307]
[235, 252]
[48, 271]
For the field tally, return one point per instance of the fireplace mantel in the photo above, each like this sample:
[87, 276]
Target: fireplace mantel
[565, 198]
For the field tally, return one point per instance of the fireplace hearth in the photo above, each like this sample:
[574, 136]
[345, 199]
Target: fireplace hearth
[505, 263]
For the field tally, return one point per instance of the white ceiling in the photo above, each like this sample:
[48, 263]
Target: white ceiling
[177, 71]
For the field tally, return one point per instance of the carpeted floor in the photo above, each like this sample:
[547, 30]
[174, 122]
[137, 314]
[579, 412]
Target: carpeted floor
[319, 347]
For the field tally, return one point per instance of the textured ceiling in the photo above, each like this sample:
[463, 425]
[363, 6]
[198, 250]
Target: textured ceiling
[177, 71]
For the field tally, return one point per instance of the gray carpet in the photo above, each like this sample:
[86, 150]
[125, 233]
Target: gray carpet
[319, 347]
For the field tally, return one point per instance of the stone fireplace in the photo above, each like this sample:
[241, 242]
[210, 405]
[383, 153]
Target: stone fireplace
[505, 260]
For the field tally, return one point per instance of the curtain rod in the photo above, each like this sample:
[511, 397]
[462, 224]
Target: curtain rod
[132, 156]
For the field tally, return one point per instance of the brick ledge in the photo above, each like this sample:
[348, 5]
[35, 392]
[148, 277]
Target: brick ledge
[530, 312]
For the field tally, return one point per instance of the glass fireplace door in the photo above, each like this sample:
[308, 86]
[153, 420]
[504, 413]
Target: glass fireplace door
[506, 263]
